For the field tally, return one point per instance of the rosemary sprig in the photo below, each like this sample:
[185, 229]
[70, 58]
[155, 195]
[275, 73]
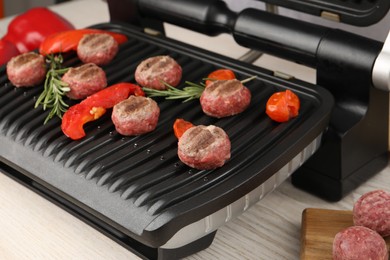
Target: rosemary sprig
[190, 92]
[54, 88]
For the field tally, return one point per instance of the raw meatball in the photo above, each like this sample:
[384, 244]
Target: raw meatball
[97, 48]
[372, 210]
[358, 242]
[224, 98]
[152, 72]
[85, 80]
[204, 147]
[26, 70]
[136, 115]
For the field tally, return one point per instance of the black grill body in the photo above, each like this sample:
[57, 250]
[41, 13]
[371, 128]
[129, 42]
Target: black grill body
[135, 189]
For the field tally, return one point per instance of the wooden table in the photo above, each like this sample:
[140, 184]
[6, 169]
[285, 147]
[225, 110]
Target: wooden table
[33, 228]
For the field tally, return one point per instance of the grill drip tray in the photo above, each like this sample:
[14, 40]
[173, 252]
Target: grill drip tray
[135, 189]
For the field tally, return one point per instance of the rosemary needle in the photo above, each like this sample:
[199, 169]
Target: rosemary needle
[54, 89]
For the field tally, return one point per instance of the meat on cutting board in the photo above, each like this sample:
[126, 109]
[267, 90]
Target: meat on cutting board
[358, 242]
[372, 210]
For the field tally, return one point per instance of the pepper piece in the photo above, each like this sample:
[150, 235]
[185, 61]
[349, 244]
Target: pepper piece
[68, 40]
[180, 126]
[8, 50]
[220, 74]
[28, 30]
[282, 106]
[94, 106]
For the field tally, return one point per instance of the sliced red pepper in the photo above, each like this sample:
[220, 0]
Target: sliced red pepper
[94, 106]
[282, 106]
[68, 40]
[180, 126]
[75, 118]
[220, 74]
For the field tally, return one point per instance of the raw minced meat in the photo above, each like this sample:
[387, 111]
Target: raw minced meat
[85, 80]
[372, 210]
[204, 147]
[135, 116]
[154, 71]
[224, 98]
[27, 69]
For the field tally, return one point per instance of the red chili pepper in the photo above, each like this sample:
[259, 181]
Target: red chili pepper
[68, 40]
[220, 74]
[180, 126]
[28, 30]
[94, 106]
[282, 106]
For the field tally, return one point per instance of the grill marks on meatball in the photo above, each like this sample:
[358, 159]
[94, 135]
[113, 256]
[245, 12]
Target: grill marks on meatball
[135, 116]
[97, 48]
[200, 140]
[85, 80]
[204, 147]
[26, 70]
[224, 98]
[154, 71]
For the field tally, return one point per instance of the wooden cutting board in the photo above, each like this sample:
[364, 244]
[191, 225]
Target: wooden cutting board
[319, 226]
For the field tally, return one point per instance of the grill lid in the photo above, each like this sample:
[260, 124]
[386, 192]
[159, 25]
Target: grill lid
[354, 12]
[137, 185]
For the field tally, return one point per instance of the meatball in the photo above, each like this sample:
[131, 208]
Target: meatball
[358, 242]
[204, 147]
[154, 71]
[372, 210]
[224, 98]
[27, 69]
[135, 116]
[85, 80]
[97, 48]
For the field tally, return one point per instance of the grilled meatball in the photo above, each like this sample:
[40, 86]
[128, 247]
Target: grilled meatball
[85, 80]
[204, 147]
[372, 210]
[224, 98]
[135, 116]
[153, 71]
[26, 70]
[97, 48]
[358, 242]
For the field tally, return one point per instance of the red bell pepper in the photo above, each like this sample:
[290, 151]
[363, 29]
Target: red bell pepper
[282, 106]
[94, 106]
[7, 51]
[68, 40]
[27, 31]
[180, 126]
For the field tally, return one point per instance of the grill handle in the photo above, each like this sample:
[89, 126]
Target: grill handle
[278, 35]
[210, 17]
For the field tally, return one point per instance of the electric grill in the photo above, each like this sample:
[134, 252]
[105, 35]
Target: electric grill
[135, 189]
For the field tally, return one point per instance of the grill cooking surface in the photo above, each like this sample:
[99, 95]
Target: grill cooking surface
[137, 185]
